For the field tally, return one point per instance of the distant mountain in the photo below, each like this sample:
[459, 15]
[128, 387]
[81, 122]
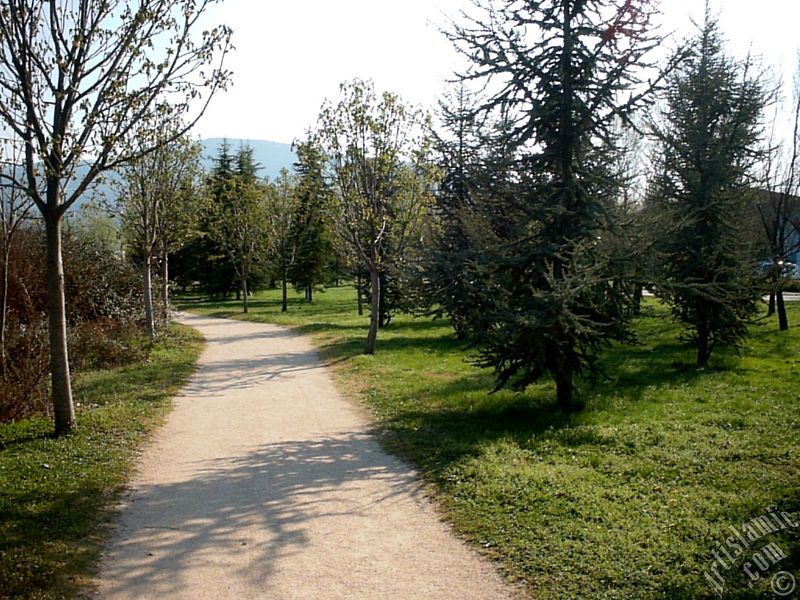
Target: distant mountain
[272, 156]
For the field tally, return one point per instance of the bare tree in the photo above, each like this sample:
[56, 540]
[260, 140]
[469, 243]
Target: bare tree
[76, 77]
[152, 188]
[778, 206]
[377, 152]
[179, 222]
[280, 222]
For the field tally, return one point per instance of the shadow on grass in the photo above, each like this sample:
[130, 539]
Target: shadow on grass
[434, 438]
[67, 515]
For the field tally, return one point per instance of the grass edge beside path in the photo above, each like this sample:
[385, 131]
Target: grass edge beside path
[57, 496]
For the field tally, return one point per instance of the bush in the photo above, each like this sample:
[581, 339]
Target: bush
[24, 370]
[792, 285]
[104, 314]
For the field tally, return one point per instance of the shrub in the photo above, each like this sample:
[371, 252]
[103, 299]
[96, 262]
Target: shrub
[103, 311]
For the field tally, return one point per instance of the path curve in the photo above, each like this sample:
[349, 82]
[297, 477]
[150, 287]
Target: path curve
[265, 483]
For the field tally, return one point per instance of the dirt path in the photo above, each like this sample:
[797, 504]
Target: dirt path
[265, 483]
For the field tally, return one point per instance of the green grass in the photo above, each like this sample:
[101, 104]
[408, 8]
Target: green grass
[56, 494]
[626, 499]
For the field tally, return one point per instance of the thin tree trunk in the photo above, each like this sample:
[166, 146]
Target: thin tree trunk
[165, 286]
[374, 315]
[310, 292]
[147, 290]
[703, 349]
[61, 387]
[245, 306]
[564, 390]
[783, 321]
[637, 299]
[4, 309]
[358, 296]
[284, 295]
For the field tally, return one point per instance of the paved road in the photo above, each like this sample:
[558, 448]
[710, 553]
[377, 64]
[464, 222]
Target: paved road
[265, 483]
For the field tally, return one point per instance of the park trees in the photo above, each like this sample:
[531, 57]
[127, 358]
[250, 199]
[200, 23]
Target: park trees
[376, 151]
[75, 79]
[155, 204]
[236, 218]
[778, 205]
[560, 74]
[709, 133]
[281, 237]
[310, 227]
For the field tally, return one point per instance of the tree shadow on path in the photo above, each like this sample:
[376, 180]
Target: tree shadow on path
[259, 504]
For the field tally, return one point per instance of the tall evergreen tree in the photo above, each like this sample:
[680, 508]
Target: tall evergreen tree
[237, 217]
[561, 69]
[310, 229]
[203, 259]
[448, 282]
[709, 133]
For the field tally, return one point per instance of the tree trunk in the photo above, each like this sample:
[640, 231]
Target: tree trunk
[374, 314]
[637, 299]
[359, 300]
[284, 296]
[383, 318]
[310, 292]
[147, 289]
[703, 349]
[564, 390]
[4, 308]
[244, 295]
[783, 321]
[61, 387]
[165, 286]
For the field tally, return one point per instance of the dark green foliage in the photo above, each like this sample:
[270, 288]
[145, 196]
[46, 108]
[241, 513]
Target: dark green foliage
[708, 134]
[204, 260]
[546, 302]
[449, 279]
[312, 241]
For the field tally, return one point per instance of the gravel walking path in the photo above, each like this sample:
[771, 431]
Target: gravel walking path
[265, 483]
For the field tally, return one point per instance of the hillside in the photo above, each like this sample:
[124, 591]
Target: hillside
[271, 156]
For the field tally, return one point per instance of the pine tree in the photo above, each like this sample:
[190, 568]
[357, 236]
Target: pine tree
[203, 259]
[310, 230]
[448, 281]
[709, 132]
[547, 301]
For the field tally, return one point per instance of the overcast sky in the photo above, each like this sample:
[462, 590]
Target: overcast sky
[292, 54]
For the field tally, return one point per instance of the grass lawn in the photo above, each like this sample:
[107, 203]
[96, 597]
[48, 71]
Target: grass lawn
[55, 494]
[627, 499]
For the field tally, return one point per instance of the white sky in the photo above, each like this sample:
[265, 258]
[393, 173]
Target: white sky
[292, 54]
